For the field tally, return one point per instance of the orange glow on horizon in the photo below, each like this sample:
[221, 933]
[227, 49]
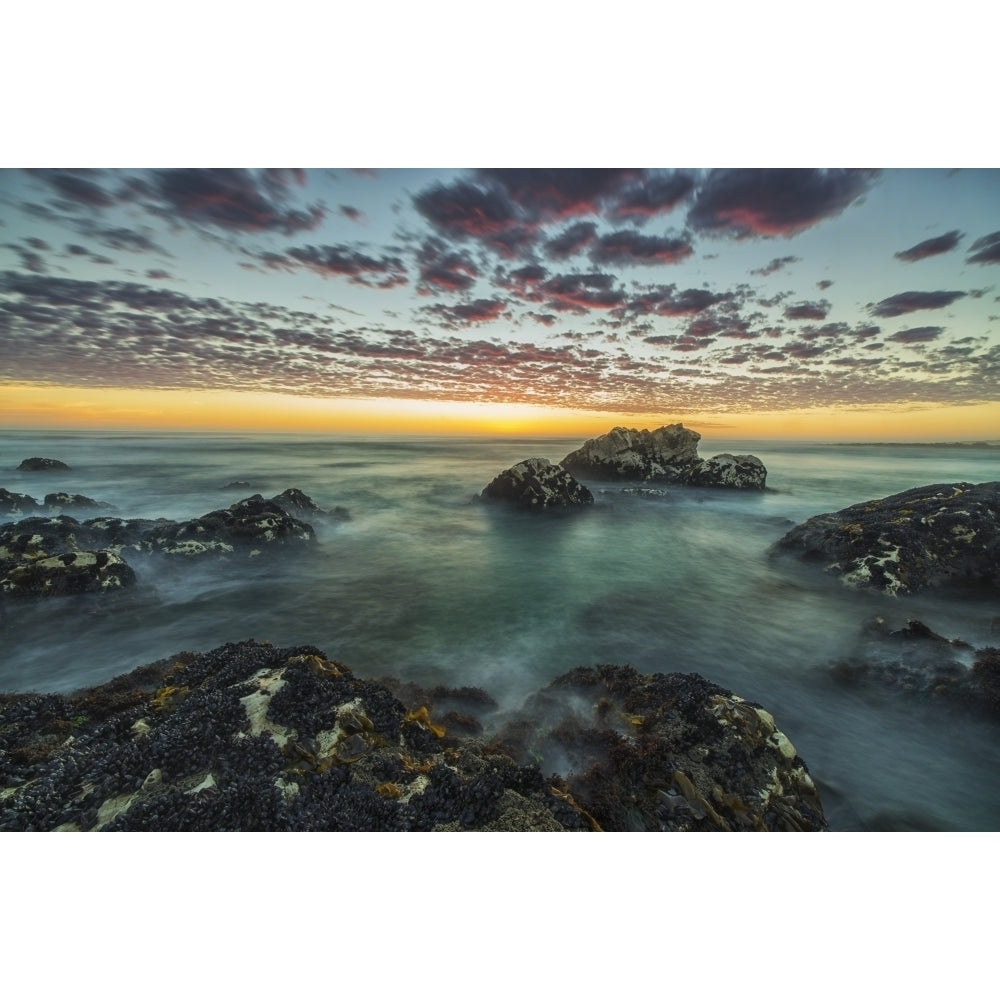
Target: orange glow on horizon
[43, 407]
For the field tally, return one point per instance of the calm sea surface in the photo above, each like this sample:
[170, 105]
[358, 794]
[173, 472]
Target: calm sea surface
[425, 584]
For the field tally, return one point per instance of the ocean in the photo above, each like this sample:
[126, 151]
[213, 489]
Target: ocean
[427, 585]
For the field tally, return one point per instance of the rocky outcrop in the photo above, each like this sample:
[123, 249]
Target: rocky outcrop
[245, 527]
[668, 455]
[915, 660]
[60, 501]
[77, 572]
[42, 465]
[537, 484]
[926, 538]
[663, 455]
[17, 503]
[254, 737]
[298, 504]
[739, 472]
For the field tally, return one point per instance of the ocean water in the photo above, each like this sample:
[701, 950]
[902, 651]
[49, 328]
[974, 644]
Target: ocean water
[425, 584]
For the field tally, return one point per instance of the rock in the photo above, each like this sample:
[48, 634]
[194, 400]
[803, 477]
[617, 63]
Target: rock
[741, 472]
[245, 527]
[17, 503]
[932, 537]
[238, 484]
[59, 501]
[537, 484]
[916, 660]
[668, 454]
[642, 491]
[664, 752]
[254, 737]
[630, 454]
[41, 465]
[69, 573]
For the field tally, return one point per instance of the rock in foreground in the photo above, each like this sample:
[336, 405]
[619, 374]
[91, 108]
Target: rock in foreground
[537, 484]
[253, 737]
[667, 455]
[926, 538]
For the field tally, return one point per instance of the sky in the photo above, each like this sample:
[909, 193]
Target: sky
[742, 301]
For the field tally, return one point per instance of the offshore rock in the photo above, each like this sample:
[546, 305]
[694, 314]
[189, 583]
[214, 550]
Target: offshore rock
[59, 501]
[667, 455]
[69, 573]
[932, 537]
[741, 472]
[537, 484]
[17, 503]
[669, 752]
[253, 737]
[246, 526]
[296, 503]
[625, 453]
[41, 465]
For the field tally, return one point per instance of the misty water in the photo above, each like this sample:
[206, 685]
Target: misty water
[425, 584]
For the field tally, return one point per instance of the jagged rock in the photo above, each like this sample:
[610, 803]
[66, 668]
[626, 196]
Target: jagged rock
[17, 503]
[70, 573]
[741, 472]
[664, 752]
[254, 737]
[537, 484]
[238, 484]
[668, 454]
[60, 501]
[917, 660]
[926, 538]
[41, 465]
[247, 526]
[630, 454]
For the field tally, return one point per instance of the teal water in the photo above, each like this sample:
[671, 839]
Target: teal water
[427, 585]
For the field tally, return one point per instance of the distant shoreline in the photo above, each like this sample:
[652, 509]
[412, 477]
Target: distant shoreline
[915, 444]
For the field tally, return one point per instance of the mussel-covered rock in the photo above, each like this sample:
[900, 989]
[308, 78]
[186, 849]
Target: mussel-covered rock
[298, 504]
[738, 472]
[60, 501]
[42, 465]
[931, 537]
[17, 504]
[248, 525]
[537, 484]
[69, 573]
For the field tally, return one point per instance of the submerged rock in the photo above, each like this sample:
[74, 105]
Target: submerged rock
[41, 465]
[537, 484]
[17, 503]
[254, 737]
[668, 454]
[946, 535]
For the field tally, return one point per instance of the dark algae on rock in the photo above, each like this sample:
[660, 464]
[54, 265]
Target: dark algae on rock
[250, 736]
[537, 484]
[932, 537]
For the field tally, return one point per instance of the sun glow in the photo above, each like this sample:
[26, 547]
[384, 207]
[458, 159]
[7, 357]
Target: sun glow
[60, 407]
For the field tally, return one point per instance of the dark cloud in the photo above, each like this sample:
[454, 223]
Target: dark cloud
[341, 261]
[232, 200]
[36, 244]
[808, 310]
[777, 264]
[988, 248]
[773, 202]
[463, 209]
[638, 201]
[444, 270]
[352, 213]
[824, 284]
[581, 292]
[545, 195]
[907, 302]
[76, 186]
[667, 301]
[917, 335]
[157, 274]
[466, 313]
[76, 250]
[571, 240]
[931, 247]
[628, 246]
[30, 260]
